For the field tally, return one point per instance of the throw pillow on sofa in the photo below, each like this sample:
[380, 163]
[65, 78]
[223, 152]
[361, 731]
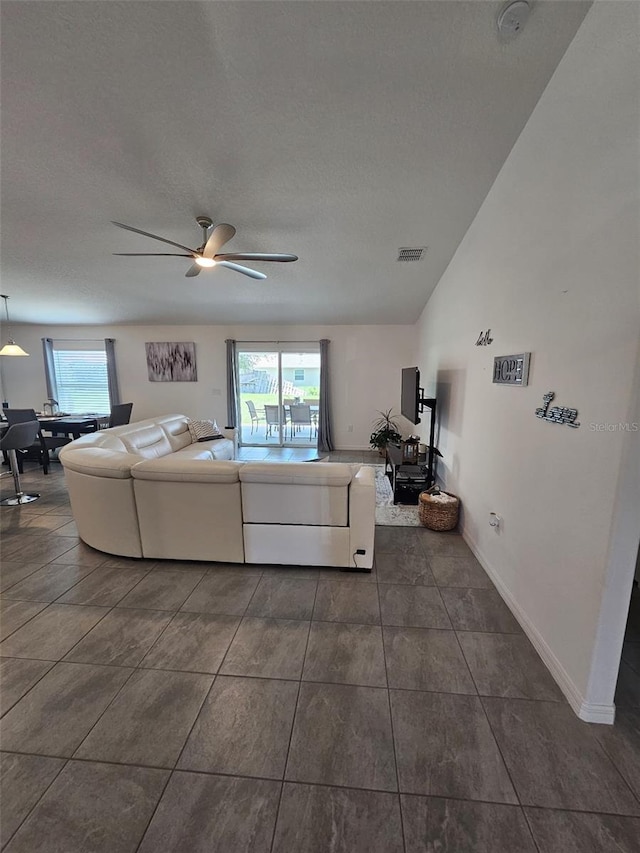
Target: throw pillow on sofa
[203, 430]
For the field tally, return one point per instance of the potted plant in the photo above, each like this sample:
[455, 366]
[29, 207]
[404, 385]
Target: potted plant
[385, 431]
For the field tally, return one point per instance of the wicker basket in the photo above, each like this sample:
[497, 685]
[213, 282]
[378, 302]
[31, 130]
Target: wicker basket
[436, 515]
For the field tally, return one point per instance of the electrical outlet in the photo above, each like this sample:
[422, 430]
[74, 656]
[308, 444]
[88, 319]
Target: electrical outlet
[350, 428]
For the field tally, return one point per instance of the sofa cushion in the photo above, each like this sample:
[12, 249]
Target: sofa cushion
[178, 469]
[150, 442]
[194, 451]
[222, 448]
[176, 429]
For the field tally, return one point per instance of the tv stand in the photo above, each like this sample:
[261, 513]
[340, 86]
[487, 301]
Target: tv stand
[408, 480]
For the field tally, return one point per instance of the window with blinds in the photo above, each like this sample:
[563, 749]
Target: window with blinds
[81, 378]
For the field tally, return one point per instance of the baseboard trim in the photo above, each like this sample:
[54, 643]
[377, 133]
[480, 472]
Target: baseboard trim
[590, 712]
[587, 711]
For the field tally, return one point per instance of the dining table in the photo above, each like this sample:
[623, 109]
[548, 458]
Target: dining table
[73, 425]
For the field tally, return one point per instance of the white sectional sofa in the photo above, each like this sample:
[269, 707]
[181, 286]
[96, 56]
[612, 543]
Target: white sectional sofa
[144, 490]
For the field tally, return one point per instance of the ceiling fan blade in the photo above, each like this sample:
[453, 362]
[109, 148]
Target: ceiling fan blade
[220, 235]
[244, 270]
[255, 256]
[154, 237]
[194, 269]
[151, 255]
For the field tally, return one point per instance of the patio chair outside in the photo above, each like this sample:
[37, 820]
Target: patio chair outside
[255, 420]
[274, 419]
[300, 417]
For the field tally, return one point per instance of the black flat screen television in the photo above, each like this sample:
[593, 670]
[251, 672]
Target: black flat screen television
[410, 400]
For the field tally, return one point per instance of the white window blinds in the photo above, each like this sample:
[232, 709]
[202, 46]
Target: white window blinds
[81, 376]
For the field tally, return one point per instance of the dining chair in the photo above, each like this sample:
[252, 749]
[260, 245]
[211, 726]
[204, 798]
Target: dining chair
[18, 437]
[42, 444]
[120, 414]
[300, 415]
[255, 420]
[273, 419]
[314, 402]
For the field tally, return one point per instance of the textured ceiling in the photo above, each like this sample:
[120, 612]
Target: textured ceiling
[340, 131]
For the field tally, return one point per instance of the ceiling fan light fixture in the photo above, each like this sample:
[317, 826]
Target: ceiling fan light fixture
[11, 347]
[208, 254]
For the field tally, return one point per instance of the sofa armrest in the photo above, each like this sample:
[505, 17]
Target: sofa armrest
[362, 517]
[232, 434]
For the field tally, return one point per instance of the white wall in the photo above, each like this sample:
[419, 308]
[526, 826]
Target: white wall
[365, 365]
[550, 264]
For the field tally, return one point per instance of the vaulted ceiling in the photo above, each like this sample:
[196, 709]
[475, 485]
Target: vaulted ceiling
[339, 131]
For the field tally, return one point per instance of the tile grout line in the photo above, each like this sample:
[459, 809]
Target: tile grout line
[11, 586]
[393, 736]
[520, 804]
[530, 828]
[293, 722]
[466, 663]
[175, 612]
[282, 678]
[44, 610]
[155, 809]
[46, 672]
[102, 618]
[199, 711]
[603, 749]
[5, 597]
[502, 758]
[227, 775]
[24, 623]
[37, 802]
[215, 675]
[28, 559]
[140, 666]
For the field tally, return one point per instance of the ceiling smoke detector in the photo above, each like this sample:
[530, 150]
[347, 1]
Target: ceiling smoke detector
[411, 254]
[513, 17]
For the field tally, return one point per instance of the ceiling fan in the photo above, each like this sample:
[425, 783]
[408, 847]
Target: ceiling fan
[208, 254]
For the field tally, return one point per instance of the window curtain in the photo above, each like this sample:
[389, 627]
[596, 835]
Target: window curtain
[325, 437]
[232, 385]
[112, 376]
[49, 369]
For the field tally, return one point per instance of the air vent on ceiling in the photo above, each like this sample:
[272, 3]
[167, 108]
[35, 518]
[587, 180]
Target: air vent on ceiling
[411, 254]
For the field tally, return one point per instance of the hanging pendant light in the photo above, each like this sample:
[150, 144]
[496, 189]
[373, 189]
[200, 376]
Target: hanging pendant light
[11, 347]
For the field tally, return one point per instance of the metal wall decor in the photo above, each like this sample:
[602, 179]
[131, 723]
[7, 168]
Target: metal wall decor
[511, 369]
[557, 414]
[484, 339]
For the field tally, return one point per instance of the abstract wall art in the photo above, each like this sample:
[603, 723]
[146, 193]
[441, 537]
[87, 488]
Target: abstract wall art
[171, 362]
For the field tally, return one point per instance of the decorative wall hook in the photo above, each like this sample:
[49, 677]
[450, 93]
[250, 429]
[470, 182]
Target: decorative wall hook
[557, 414]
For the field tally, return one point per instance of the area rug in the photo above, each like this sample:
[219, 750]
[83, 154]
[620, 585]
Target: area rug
[386, 513]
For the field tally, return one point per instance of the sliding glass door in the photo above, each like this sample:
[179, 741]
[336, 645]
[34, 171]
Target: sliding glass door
[278, 394]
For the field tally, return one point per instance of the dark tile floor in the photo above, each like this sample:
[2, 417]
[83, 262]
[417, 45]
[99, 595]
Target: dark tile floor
[164, 707]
